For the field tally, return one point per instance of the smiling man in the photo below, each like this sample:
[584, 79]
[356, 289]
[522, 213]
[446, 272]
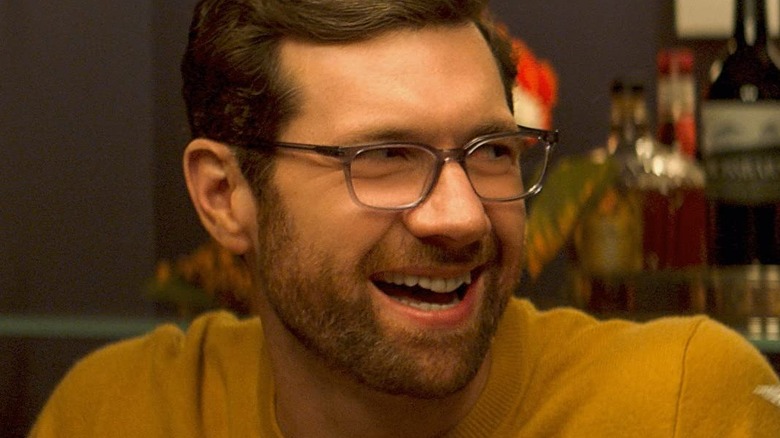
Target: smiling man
[362, 158]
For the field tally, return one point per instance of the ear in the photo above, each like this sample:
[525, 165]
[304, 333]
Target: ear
[221, 195]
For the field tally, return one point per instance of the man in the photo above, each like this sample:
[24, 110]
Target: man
[386, 260]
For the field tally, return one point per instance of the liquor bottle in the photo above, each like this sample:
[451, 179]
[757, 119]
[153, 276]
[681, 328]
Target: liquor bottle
[674, 203]
[676, 99]
[740, 146]
[608, 238]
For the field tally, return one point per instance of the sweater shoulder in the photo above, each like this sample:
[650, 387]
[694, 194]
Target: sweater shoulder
[671, 374]
[162, 348]
[148, 376]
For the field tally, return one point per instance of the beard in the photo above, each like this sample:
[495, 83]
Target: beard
[326, 303]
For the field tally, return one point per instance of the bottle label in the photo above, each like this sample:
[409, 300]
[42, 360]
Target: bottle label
[741, 151]
[609, 240]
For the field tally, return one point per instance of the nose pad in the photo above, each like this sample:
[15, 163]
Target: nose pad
[457, 158]
[454, 156]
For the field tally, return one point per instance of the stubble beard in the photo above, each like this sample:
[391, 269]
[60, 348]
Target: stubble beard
[329, 309]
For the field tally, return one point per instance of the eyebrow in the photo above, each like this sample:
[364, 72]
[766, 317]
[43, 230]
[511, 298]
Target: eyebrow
[493, 128]
[401, 135]
[382, 135]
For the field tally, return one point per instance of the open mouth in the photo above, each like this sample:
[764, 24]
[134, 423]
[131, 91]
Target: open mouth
[424, 293]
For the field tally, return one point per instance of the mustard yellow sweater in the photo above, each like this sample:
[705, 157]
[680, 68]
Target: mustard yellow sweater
[555, 373]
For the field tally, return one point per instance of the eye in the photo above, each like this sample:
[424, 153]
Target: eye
[385, 154]
[392, 160]
[496, 151]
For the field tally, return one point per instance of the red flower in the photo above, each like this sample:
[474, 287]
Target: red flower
[537, 78]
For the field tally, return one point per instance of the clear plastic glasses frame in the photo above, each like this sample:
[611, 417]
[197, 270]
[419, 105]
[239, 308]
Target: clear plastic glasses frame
[501, 167]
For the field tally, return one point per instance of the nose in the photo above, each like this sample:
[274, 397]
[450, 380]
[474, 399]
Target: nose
[452, 215]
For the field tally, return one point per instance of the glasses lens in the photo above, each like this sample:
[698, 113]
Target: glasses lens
[391, 176]
[506, 167]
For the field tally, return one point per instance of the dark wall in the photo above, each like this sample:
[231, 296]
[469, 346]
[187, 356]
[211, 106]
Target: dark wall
[175, 222]
[91, 127]
[76, 179]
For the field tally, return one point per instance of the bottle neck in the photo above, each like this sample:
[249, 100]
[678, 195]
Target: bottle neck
[617, 116]
[750, 23]
[634, 125]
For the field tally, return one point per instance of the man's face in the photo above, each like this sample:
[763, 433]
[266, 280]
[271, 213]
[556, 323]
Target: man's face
[329, 268]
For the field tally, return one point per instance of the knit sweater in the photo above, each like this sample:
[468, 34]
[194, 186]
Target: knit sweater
[554, 373]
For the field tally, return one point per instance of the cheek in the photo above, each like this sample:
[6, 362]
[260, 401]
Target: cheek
[322, 213]
[314, 199]
[334, 227]
[508, 222]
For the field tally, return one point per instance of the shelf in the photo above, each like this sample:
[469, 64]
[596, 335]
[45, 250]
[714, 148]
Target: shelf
[77, 327]
[766, 345]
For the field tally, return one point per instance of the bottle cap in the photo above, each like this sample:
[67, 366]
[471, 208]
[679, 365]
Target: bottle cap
[679, 59]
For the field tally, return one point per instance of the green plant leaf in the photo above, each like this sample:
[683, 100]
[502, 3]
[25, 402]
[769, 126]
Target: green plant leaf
[573, 185]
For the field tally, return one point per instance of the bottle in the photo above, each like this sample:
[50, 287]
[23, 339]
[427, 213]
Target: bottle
[740, 146]
[672, 186]
[676, 99]
[608, 239]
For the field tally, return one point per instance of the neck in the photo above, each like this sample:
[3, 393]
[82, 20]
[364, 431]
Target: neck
[750, 22]
[313, 399]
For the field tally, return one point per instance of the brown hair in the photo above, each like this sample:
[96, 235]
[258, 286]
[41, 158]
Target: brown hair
[234, 89]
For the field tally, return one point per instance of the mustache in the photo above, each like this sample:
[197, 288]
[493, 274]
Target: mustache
[420, 253]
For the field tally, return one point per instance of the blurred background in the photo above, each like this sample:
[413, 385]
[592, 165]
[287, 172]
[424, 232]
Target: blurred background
[91, 132]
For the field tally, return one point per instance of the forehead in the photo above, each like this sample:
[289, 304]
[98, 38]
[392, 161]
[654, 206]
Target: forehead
[433, 76]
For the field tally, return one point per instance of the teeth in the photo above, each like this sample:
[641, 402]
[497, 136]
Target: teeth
[438, 285]
[427, 306]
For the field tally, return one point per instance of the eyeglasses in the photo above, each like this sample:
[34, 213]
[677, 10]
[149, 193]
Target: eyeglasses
[397, 176]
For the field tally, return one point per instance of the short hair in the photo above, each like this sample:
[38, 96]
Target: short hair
[234, 88]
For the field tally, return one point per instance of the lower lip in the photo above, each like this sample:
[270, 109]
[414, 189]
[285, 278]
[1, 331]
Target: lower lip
[448, 318]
